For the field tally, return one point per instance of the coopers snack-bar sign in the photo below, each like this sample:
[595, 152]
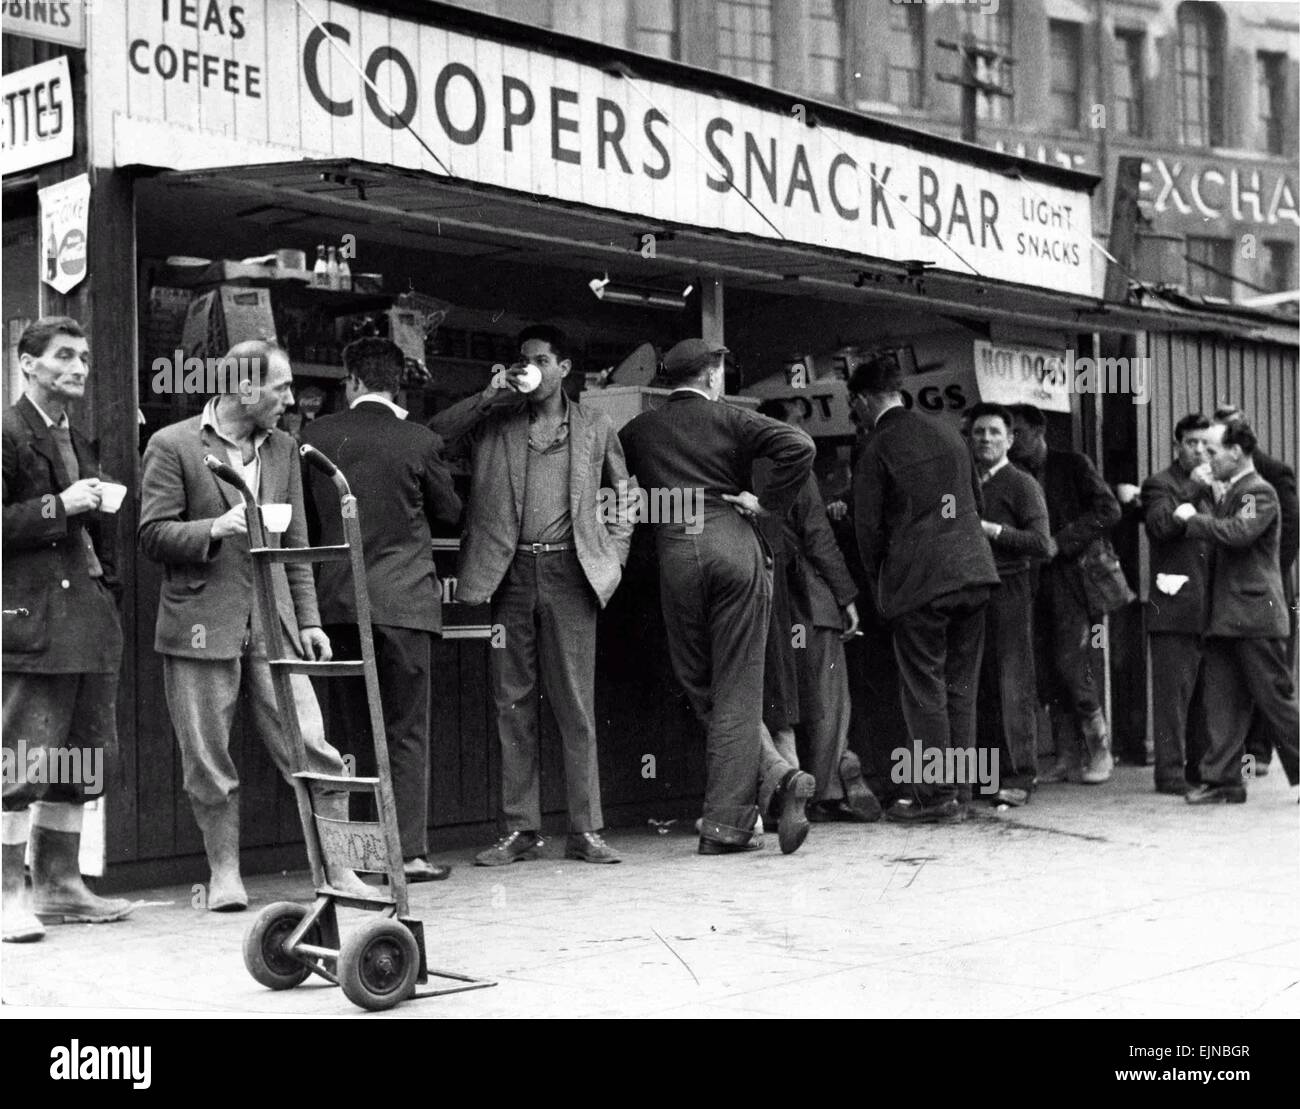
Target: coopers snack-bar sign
[208, 83]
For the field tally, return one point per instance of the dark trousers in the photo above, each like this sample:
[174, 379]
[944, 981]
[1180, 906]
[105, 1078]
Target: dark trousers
[404, 657]
[60, 730]
[1241, 674]
[1008, 702]
[1175, 667]
[548, 610]
[716, 592]
[939, 647]
[1069, 678]
[1258, 744]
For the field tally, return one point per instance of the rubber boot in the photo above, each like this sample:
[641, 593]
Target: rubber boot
[220, 827]
[20, 923]
[1096, 741]
[334, 806]
[1066, 736]
[59, 894]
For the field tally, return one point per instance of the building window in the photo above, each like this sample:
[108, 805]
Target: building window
[826, 48]
[655, 28]
[1279, 266]
[1271, 78]
[906, 54]
[745, 39]
[994, 32]
[1065, 46]
[1213, 275]
[1200, 74]
[1130, 114]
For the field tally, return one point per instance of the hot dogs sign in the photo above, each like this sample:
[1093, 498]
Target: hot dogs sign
[212, 82]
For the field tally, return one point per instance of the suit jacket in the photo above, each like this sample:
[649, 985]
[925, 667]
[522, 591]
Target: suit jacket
[1246, 601]
[402, 488]
[1173, 551]
[1080, 506]
[207, 582]
[917, 509]
[692, 442]
[495, 435]
[57, 618]
[1282, 478]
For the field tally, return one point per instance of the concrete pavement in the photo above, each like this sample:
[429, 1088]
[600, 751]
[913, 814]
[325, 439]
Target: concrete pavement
[1092, 901]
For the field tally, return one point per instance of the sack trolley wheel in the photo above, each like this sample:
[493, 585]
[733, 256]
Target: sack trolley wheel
[265, 956]
[378, 964]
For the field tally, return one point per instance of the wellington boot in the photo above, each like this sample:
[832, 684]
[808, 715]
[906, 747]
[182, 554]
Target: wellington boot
[21, 925]
[1096, 742]
[220, 827]
[1068, 756]
[59, 895]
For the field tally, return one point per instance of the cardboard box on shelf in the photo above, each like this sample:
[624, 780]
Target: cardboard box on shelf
[216, 321]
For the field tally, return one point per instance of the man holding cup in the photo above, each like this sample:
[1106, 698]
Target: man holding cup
[537, 546]
[62, 635]
[209, 631]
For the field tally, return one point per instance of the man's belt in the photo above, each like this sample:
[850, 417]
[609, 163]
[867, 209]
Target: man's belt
[544, 548]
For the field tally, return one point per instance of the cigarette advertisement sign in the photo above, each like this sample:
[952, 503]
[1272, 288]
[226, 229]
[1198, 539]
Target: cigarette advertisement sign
[36, 116]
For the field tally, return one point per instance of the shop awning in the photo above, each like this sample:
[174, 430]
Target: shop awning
[416, 208]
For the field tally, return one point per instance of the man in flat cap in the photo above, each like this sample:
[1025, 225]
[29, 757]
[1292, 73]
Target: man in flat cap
[716, 583]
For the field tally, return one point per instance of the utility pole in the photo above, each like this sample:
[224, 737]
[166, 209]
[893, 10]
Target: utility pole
[972, 54]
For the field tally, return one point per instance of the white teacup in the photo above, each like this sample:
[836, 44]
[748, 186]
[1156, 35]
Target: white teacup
[276, 517]
[111, 495]
[529, 378]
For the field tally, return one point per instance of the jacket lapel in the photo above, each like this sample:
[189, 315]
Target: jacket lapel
[517, 459]
[43, 442]
[580, 436]
[212, 445]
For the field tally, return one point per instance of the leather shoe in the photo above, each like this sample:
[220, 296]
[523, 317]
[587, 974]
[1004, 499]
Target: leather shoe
[829, 812]
[1175, 789]
[1012, 797]
[791, 801]
[590, 848]
[907, 811]
[419, 869]
[718, 847]
[1217, 795]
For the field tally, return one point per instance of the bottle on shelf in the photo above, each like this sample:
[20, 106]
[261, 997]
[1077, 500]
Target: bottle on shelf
[345, 274]
[320, 272]
[332, 268]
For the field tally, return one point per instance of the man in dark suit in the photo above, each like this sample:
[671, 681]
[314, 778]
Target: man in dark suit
[716, 587]
[1283, 480]
[62, 636]
[917, 513]
[539, 547]
[1081, 509]
[209, 631]
[1177, 597]
[403, 490]
[1015, 520]
[1245, 645]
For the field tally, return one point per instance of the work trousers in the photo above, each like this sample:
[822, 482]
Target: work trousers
[1069, 677]
[1241, 675]
[202, 695]
[548, 610]
[826, 719]
[1175, 667]
[939, 647]
[404, 658]
[59, 731]
[1008, 701]
[716, 593]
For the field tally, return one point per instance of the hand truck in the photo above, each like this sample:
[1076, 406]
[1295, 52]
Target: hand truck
[383, 962]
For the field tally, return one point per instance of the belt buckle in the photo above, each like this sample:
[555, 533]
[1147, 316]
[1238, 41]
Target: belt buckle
[539, 548]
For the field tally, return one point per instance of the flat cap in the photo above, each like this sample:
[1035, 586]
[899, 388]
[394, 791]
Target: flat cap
[689, 357]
